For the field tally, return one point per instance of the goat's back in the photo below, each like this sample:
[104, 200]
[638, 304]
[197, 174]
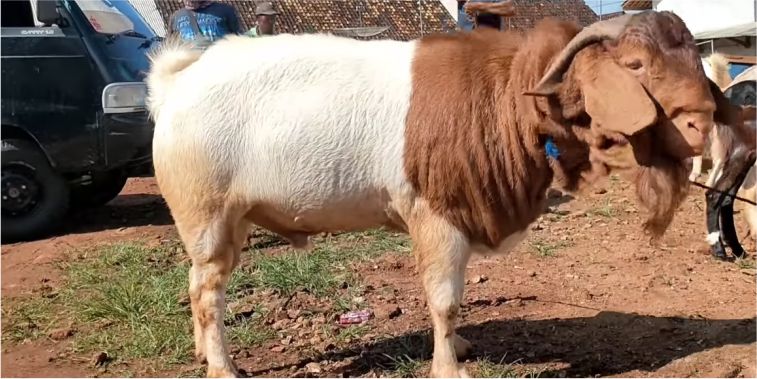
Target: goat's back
[308, 121]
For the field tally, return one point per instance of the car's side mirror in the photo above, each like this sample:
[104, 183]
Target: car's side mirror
[47, 12]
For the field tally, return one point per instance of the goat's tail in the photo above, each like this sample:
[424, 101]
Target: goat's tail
[719, 67]
[169, 59]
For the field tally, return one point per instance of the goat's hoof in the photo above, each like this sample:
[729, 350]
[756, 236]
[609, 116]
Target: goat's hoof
[221, 372]
[718, 253]
[738, 251]
[453, 371]
[462, 346]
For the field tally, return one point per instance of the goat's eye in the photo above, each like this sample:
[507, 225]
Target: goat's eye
[634, 64]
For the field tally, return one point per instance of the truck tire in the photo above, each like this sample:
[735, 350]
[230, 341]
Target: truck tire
[34, 196]
[104, 188]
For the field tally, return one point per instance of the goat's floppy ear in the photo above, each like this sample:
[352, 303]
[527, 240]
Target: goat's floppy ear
[613, 98]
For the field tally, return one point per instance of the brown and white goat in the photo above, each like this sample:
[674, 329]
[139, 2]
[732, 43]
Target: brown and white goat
[734, 175]
[731, 145]
[435, 137]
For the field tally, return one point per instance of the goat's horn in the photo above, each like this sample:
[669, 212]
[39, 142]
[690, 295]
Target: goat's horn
[608, 29]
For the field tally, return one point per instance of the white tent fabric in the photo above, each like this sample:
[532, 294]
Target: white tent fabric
[709, 15]
[748, 29]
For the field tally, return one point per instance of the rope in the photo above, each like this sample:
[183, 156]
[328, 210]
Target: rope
[723, 192]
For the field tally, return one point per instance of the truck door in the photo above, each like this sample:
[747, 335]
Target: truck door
[50, 86]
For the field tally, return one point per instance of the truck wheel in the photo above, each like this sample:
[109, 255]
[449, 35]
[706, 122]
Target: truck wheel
[34, 197]
[104, 188]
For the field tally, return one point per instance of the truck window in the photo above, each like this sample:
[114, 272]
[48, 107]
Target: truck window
[105, 17]
[16, 14]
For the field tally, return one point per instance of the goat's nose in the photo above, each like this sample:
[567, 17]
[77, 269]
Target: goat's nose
[694, 128]
[699, 123]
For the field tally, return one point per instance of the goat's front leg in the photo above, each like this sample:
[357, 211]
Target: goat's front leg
[713, 202]
[696, 169]
[442, 254]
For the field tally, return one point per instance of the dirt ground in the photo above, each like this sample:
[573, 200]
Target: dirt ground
[585, 295]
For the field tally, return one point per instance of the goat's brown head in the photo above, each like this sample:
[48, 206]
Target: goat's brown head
[640, 81]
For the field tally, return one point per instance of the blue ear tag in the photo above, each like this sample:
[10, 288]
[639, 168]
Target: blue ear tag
[551, 148]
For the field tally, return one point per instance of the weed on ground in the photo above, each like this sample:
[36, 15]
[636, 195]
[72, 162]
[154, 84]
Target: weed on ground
[545, 248]
[606, 210]
[487, 368]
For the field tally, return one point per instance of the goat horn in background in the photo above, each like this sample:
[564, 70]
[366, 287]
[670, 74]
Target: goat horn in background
[608, 29]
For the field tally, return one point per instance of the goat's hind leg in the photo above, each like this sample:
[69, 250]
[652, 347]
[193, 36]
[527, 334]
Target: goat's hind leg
[214, 248]
[442, 253]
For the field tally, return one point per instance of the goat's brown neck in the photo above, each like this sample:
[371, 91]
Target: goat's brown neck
[474, 149]
[562, 117]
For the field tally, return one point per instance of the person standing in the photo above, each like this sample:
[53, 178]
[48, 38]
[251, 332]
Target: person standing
[204, 22]
[265, 17]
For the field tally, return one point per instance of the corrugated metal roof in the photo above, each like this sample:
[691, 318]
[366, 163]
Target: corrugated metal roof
[149, 11]
[529, 12]
[636, 5]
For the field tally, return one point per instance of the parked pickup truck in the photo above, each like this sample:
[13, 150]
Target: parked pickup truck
[74, 123]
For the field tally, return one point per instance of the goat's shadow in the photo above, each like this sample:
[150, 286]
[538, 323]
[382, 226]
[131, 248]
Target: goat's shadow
[608, 343]
[127, 210]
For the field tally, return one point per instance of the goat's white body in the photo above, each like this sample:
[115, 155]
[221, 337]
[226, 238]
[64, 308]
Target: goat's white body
[311, 126]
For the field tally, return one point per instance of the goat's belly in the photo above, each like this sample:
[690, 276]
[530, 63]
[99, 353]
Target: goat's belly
[315, 215]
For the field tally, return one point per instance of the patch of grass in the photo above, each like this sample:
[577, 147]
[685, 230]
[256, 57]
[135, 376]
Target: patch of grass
[745, 263]
[369, 244]
[27, 319]
[352, 332]
[403, 366]
[131, 300]
[343, 304]
[324, 268]
[198, 372]
[407, 356]
[319, 272]
[241, 283]
[351, 300]
[486, 368]
[605, 210]
[132, 293]
[249, 332]
[545, 248]
[382, 241]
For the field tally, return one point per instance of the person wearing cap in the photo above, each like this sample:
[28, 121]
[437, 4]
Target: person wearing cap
[204, 22]
[265, 16]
